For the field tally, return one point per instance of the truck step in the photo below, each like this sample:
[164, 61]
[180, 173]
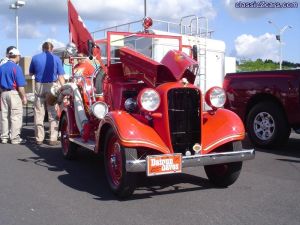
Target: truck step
[89, 144]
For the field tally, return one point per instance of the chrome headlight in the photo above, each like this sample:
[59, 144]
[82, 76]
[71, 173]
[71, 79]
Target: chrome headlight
[149, 99]
[99, 109]
[215, 97]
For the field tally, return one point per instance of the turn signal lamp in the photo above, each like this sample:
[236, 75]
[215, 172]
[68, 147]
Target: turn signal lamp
[215, 97]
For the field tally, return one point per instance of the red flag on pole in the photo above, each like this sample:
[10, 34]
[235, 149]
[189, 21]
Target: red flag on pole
[79, 34]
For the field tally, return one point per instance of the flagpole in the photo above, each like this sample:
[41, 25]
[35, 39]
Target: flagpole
[145, 8]
[70, 33]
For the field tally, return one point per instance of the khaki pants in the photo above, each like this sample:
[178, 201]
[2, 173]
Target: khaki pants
[41, 91]
[11, 115]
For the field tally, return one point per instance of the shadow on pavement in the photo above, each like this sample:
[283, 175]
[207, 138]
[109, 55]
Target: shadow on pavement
[86, 173]
[291, 149]
[289, 160]
[162, 185]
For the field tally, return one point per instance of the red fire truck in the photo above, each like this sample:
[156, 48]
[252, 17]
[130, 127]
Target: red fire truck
[145, 115]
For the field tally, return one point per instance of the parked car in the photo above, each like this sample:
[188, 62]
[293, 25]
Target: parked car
[268, 102]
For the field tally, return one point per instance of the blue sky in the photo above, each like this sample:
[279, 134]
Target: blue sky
[246, 32]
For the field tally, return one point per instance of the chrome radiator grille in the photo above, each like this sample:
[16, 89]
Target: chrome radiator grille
[184, 107]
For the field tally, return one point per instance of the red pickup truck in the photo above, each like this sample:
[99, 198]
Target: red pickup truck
[268, 102]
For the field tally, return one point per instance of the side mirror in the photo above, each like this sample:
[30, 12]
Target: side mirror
[195, 52]
[71, 49]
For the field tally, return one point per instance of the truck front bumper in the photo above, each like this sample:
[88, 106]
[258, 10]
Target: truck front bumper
[198, 160]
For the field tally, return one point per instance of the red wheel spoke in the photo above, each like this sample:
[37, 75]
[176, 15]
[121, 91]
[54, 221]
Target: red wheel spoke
[114, 159]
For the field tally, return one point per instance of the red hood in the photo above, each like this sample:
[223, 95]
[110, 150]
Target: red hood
[179, 63]
[173, 67]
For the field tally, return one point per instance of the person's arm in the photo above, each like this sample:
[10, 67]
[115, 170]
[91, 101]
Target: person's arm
[21, 83]
[60, 72]
[22, 94]
[61, 80]
[31, 68]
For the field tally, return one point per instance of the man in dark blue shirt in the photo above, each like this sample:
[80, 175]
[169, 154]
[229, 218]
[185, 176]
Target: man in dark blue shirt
[48, 70]
[12, 83]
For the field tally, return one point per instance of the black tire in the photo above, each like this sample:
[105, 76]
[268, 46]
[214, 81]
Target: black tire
[123, 184]
[267, 125]
[68, 147]
[224, 175]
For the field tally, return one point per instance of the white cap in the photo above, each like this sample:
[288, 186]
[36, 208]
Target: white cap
[14, 51]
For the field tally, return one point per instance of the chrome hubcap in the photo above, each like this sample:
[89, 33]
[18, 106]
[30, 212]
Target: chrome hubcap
[113, 161]
[264, 126]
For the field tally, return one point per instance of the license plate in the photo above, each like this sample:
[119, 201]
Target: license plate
[164, 164]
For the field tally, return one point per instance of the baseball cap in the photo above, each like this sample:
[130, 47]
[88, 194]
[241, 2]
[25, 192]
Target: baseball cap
[9, 48]
[14, 51]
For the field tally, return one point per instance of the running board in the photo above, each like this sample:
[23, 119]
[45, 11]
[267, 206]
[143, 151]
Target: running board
[89, 144]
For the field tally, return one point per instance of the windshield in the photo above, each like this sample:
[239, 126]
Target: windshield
[103, 50]
[155, 47]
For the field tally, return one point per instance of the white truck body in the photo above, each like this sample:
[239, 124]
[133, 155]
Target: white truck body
[213, 64]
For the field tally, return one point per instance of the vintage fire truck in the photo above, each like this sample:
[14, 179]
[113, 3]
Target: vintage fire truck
[141, 110]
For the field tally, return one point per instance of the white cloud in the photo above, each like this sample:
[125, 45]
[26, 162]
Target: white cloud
[264, 47]
[26, 31]
[49, 18]
[29, 31]
[120, 10]
[55, 11]
[56, 44]
[5, 26]
[175, 9]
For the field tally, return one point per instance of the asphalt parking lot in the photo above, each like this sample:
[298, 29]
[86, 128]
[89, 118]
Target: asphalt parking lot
[37, 187]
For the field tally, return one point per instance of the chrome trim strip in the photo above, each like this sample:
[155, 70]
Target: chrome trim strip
[89, 145]
[198, 160]
[224, 139]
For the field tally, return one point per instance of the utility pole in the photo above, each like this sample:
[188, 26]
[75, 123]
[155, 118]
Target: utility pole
[145, 8]
[279, 38]
[18, 4]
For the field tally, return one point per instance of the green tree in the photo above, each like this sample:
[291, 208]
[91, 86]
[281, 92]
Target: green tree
[260, 65]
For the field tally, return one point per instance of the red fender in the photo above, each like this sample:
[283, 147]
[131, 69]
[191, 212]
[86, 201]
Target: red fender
[131, 132]
[221, 127]
[72, 128]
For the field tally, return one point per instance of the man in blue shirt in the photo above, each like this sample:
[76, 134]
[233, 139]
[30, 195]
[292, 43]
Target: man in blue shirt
[48, 70]
[5, 59]
[12, 83]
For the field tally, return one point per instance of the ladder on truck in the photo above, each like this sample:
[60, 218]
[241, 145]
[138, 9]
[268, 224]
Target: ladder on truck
[196, 26]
